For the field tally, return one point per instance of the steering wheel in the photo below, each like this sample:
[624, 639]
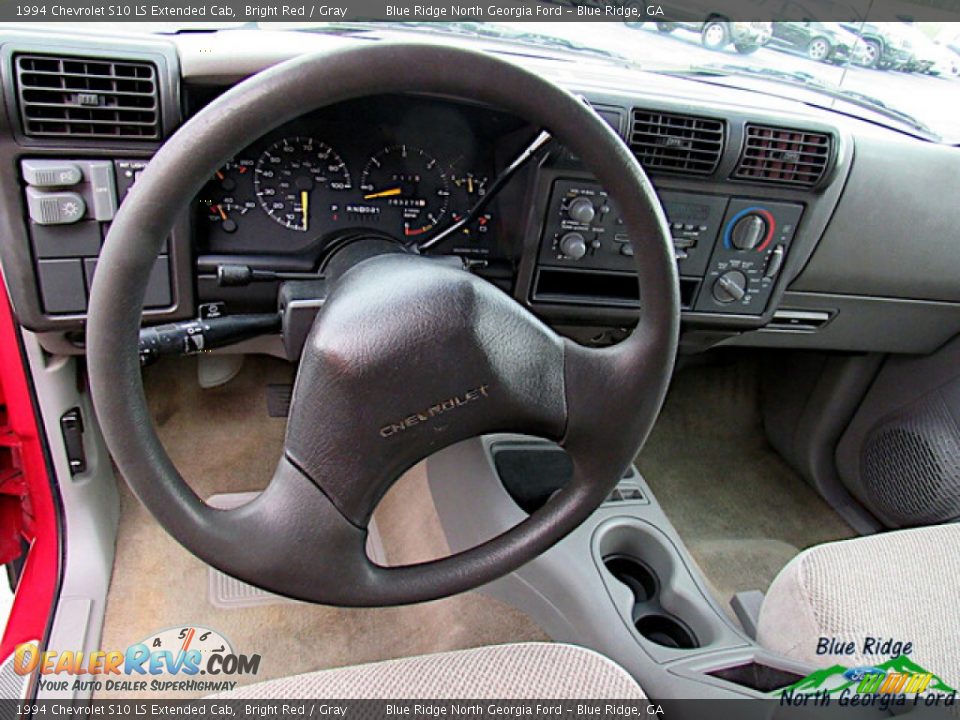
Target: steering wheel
[407, 355]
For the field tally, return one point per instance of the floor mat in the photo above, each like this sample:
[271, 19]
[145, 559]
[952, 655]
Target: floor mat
[224, 441]
[742, 512]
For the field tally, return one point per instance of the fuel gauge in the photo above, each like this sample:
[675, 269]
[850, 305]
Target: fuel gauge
[229, 195]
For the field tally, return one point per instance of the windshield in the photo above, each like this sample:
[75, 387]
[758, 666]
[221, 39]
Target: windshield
[903, 75]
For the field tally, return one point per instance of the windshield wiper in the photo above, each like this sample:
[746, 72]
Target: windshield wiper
[814, 84]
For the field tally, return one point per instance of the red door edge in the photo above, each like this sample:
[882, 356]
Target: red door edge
[32, 611]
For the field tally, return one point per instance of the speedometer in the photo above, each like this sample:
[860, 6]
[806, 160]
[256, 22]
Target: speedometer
[293, 180]
[411, 184]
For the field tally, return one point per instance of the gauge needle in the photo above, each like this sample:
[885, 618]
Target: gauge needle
[220, 210]
[305, 206]
[383, 193]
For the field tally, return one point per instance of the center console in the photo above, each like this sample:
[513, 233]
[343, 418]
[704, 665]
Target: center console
[622, 583]
[729, 250]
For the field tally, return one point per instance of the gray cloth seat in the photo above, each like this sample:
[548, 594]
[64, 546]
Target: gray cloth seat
[513, 671]
[902, 586]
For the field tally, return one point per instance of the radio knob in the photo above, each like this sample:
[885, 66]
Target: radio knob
[573, 245]
[581, 209]
[730, 287]
[748, 232]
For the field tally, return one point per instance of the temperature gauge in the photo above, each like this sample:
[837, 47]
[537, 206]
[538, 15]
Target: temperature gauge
[475, 186]
[469, 189]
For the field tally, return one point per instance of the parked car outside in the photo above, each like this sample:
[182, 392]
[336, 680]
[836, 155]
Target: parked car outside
[821, 41]
[946, 62]
[884, 47]
[951, 51]
[717, 32]
[929, 57]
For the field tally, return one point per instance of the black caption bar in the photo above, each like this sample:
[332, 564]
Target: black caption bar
[234, 12]
[739, 709]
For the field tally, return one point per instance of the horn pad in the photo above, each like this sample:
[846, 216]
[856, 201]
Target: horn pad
[406, 357]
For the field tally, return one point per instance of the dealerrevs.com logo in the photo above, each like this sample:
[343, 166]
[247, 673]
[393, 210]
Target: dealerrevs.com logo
[187, 659]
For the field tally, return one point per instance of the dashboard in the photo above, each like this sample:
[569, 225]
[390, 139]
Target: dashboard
[792, 226]
[301, 188]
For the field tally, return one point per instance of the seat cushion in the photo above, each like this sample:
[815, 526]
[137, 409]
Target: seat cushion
[903, 586]
[514, 671]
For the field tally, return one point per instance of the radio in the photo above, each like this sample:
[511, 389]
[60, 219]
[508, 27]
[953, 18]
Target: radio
[585, 229]
[729, 250]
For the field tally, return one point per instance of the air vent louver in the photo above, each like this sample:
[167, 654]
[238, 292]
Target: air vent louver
[87, 98]
[783, 156]
[676, 143]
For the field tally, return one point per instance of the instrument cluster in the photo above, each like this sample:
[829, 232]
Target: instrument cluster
[406, 169]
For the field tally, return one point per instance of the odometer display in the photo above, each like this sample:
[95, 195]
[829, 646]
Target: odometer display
[409, 185]
[293, 180]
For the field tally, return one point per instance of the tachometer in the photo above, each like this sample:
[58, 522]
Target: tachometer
[410, 182]
[293, 179]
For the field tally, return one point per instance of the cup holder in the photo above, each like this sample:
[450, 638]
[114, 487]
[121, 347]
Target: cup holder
[667, 631]
[652, 621]
[635, 575]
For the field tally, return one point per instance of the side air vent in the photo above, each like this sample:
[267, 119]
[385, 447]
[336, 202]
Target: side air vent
[87, 98]
[676, 143]
[783, 156]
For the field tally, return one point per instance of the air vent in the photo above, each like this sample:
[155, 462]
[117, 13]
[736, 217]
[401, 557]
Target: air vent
[676, 143]
[783, 156]
[87, 98]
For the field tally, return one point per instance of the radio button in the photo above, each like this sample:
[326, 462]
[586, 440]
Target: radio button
[581, 210]
[573, 246]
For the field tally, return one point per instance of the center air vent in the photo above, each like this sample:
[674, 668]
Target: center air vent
[783, 156]
[676, 143]
[87, 98]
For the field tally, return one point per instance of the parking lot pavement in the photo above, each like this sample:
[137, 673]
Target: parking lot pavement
[933, 100]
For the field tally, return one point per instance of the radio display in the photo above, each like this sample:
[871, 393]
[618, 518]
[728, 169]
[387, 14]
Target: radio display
[687, 211]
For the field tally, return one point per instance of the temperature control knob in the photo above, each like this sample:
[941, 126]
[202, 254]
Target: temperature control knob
[573, 245]
[730, 287]
[749, 231]
[581, 210]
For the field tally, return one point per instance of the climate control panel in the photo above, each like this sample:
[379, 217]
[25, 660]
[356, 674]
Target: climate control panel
[748, 257]
[729, 250]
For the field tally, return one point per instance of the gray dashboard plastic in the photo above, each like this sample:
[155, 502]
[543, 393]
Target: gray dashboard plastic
[896, 231]
[15, 251]
[862, 324]
[877, 246]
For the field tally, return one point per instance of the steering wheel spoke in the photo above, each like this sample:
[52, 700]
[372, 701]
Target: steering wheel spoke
[406, 357]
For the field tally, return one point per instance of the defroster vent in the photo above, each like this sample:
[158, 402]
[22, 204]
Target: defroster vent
[676, 143]
[87, 98]
[782, 156]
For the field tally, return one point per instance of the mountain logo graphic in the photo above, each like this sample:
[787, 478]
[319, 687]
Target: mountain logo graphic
[899, 675]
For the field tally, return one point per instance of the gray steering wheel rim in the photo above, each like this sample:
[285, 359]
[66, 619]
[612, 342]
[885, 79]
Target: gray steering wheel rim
[613, 395]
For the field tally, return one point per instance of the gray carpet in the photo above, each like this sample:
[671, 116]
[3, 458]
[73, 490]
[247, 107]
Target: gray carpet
[223, 441]
[742, 512]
